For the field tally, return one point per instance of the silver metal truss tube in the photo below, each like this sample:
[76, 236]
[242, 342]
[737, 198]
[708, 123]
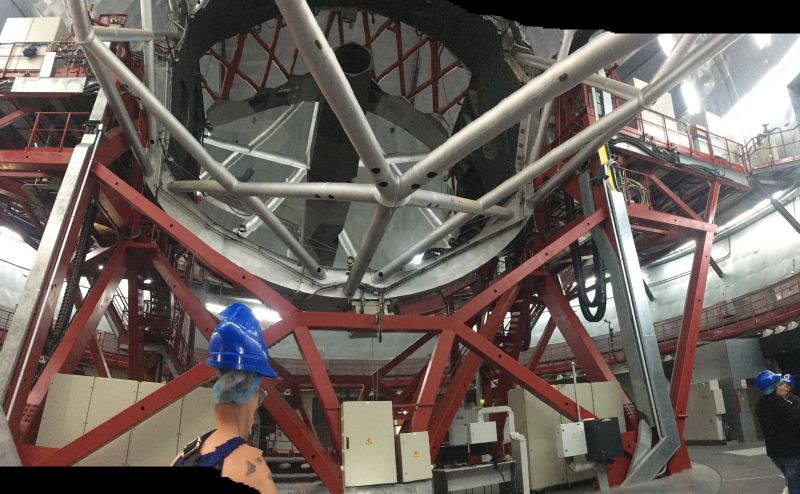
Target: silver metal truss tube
[547, 109]
[561, 77]
[605, 127]
[121, 113]
[273, 204]
[146, 7]
[438, 234]
[338, 192]
[131, 34]
[324, 67]
[347, 244]
[678, 51]
[90, 44]
[370, 244]
[431, 217]
[239, 151]
[612, 122]
[620, 89]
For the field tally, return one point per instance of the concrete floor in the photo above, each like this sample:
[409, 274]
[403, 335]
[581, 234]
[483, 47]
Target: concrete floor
[741, 468]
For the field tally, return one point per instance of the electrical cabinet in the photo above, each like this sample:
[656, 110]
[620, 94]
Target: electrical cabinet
[482, 432]
[368, 443]
[537, 422]
[570, 440]
[413, 449]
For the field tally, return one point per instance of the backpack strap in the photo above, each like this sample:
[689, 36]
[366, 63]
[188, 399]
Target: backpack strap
[192, 451]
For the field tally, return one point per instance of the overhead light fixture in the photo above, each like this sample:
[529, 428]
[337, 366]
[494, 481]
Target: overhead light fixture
[667, 42]
[416, 260]
[147, 281]
[762, 40]
[100, 267]
[690, 97]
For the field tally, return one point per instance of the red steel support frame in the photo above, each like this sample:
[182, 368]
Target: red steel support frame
[80, 332]
[690, 329]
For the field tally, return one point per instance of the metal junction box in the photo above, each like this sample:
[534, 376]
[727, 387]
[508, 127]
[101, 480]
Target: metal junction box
[482, 432]
[415, 456]
[368, 441]
[570, 439]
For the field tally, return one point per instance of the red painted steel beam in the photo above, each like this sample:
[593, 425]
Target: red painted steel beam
[303, 438]
[640, 213]
[569, 234]
[541, 346]
[42, 159]
[98, 358]
[129, 417]
[196, 310]
[583, 348]
[387, 367]
[522, 376]
[208, 256]
[322, 385]
[464, 373]
[429, 389]
[690, 329]
[674, 198]
[70, 349]
[232, 68]
[12, 117]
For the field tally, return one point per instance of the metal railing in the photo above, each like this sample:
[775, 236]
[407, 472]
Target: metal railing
[52, 130]
[774, 148]
[670, 133]
[756, 310]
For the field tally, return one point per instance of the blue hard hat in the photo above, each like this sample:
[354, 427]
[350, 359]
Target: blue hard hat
[766, 379]
[237, 343]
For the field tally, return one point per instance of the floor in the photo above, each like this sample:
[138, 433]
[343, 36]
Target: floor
[741, 468]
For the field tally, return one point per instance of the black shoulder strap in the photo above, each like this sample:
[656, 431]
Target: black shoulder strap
[192, 451]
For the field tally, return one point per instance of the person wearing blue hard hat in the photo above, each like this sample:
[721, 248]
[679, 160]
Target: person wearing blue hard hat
[780, 420]
[239, 353]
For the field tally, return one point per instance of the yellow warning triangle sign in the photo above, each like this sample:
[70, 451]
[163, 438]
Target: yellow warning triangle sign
[369, 441]
[416, 454]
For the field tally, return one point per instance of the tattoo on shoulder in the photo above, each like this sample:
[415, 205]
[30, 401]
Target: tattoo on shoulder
[251, 468]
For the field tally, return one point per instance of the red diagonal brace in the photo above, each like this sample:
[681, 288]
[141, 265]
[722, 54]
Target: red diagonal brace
[541, 346]
[674, 198]
[586, 353]
[429, 389]
[99, 360]
[208, 256]
[465, 373]
[302, 437]
[569, 234]
[201, 317]
[322, 384]
[78, 335]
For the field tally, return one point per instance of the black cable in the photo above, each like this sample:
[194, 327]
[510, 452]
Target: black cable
[600, 298]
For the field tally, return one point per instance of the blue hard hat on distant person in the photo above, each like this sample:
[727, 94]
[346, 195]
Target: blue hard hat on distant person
[766, 381]
[237, 343]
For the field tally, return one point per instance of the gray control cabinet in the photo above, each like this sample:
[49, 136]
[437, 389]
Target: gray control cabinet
[368, 443]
